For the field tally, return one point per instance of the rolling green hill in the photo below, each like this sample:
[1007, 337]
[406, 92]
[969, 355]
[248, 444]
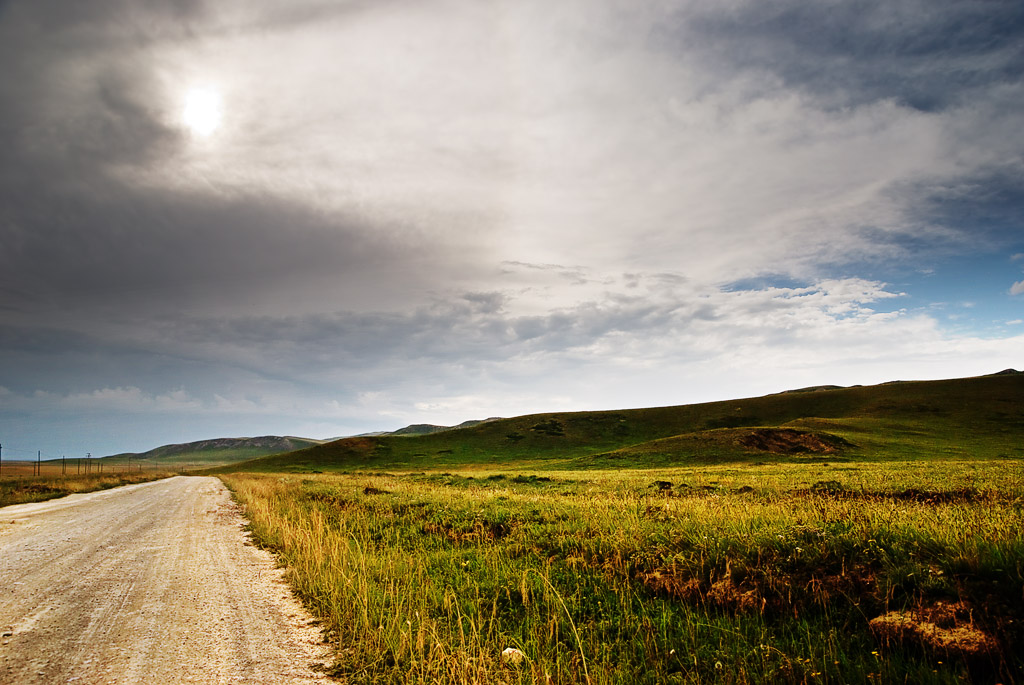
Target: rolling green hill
[980, 417]
[214, 452]
[423, 429]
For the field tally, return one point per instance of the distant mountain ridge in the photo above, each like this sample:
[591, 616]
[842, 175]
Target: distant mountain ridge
[226, 450]
[222, 449]
[427, 428]
[274, 442]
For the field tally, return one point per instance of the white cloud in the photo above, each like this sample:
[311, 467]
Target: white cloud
[1017, 288]
[129, 399]
[122, 399]
[559, 136]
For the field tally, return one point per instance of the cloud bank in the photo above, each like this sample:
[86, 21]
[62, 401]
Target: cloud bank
[421, 211]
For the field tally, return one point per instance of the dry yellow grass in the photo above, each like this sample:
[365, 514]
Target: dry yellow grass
[748, 575]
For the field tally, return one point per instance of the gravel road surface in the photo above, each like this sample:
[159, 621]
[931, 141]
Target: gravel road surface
[148, 583]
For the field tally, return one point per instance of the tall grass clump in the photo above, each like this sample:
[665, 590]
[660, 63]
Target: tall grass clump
[24, 489]
[736, 574]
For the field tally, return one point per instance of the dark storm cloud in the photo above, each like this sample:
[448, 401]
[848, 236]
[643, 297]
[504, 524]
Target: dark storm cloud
[54, 121]
[926, 54]
[64, 222]
[991, 201]
[95, 20]
[472, 329]
[62, 361]
[76, 75]
[468, 330]
[116, 245]
[77, 120]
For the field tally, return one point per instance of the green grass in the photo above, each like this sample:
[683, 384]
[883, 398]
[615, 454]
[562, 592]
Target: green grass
[734, 573]
[748, 541]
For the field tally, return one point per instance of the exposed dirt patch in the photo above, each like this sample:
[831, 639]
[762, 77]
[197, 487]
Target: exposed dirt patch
[331, 499]
[723, 594]
[945, 628]
[727, 595]
[832, 488]
[480, 531]
[664, 582]
[550, 427]
[764, 594]
[940, 496]
[792, 441]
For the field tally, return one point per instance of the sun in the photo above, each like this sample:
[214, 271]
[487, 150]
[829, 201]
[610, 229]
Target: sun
[202, 113]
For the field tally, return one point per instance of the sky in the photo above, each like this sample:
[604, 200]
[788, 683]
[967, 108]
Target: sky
[321, 218]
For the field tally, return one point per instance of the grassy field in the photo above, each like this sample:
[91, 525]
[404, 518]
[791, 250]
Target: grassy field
[18, 486]
[867, 534]
[885, 571]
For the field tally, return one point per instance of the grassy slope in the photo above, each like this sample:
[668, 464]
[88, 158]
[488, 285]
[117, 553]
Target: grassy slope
[186, 455]
[975, 417]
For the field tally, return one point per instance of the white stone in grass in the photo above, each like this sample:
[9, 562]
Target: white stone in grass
[512, 656]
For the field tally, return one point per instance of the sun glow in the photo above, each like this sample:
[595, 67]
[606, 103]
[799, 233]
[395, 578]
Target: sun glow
[202, 113]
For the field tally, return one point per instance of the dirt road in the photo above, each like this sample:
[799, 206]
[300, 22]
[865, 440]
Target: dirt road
[149, 583]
